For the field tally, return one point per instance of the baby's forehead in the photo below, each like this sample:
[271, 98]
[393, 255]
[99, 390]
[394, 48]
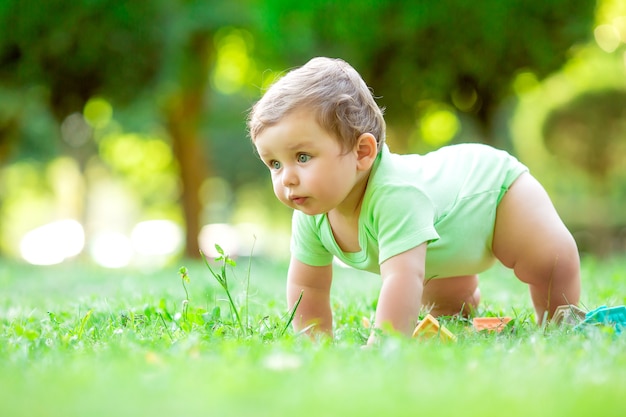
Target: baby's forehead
[289, 144]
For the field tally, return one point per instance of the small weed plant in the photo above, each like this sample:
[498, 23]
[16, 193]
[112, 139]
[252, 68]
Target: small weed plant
[238, 323]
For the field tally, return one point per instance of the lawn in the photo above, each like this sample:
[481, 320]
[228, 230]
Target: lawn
[77, 340]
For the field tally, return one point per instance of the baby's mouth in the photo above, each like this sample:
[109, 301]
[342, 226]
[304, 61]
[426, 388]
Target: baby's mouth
[297, 200]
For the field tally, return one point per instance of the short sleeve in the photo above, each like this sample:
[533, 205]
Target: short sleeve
[402, 217]
[306, 245]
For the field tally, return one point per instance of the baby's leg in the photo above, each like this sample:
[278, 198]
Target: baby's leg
[450, 296]
[530, 237]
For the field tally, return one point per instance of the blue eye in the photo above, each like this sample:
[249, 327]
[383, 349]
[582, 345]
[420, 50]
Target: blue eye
[274, 164]
[304, 158]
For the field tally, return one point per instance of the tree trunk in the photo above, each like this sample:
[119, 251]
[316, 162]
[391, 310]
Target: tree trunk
[189, 154]
[184, 112]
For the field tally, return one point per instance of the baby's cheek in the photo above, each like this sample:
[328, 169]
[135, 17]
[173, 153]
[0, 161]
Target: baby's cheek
[280, 194]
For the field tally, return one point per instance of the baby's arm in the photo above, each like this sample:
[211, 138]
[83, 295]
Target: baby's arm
[313, 282]
[400, 297]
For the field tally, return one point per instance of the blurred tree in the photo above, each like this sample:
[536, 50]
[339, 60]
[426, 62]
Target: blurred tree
[9, 126]
[409, 51]
[191, 57]
[463, 53]
[590, 133]
[80, 49]
[121, 51]
[60, 54]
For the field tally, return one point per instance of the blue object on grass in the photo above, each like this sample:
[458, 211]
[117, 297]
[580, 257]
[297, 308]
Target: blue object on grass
[615, 316]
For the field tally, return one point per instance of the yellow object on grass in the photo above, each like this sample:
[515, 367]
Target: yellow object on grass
[429, 327]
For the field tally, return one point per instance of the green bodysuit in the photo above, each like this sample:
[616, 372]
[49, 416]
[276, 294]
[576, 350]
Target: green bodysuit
[447, 198]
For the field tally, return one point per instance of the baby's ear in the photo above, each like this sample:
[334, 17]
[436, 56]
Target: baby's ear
[366, 151]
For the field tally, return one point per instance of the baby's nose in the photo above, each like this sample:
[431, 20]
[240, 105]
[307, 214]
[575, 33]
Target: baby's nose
[289, 176]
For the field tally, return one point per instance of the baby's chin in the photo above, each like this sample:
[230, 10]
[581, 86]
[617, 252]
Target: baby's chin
[306, 210]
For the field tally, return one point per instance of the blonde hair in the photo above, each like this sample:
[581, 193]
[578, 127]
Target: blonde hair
[341, 101]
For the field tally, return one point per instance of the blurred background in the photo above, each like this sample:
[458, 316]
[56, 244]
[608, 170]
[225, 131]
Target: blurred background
[122, 124]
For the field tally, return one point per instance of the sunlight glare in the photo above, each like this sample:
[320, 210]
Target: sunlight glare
[98, 112]
[111, 250]
[233, 61]
[607, 37]
[525, 82]
[157, 238]
[53, 243]
[224, 235]
[619, 23]
[439, 125]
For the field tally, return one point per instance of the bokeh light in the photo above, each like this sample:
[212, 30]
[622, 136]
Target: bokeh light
[439, 125]
[98, 112]
[234, 65]
[607, 37]
[221, 234]
[111, 249]
[75, 130]
[157, 238]
[53, 243]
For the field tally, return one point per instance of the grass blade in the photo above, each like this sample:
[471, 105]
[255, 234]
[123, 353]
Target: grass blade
[292, 314]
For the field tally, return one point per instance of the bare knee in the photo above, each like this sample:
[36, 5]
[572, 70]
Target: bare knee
[552, 273]
[548, 261]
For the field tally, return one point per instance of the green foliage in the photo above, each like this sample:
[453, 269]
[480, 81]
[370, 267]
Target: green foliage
[190, 69]
[81, 48]
[448, 51]
[590, 132]
[452, 51]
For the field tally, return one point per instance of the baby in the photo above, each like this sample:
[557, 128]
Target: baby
[428, 224]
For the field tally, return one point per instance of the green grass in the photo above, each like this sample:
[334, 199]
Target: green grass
[76, 340]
